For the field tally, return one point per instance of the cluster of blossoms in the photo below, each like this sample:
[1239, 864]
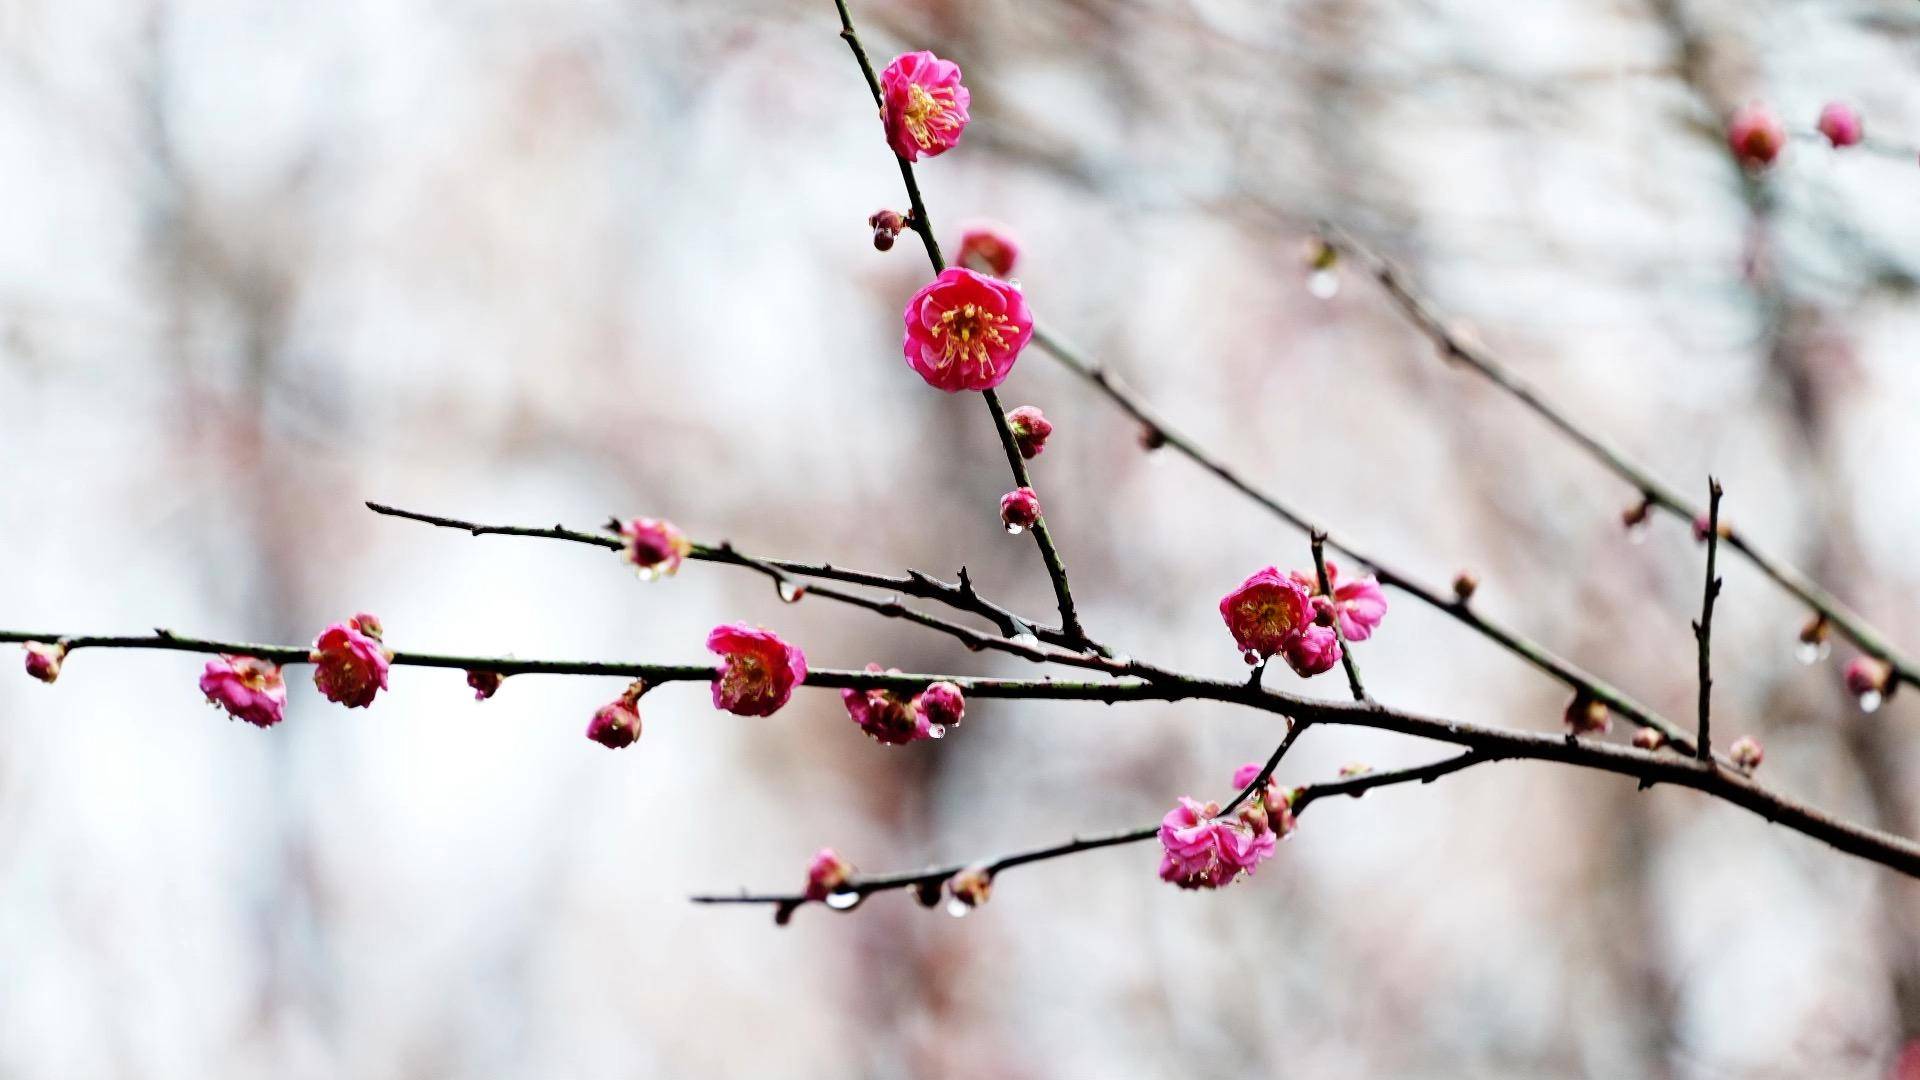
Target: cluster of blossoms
[1286, 614]
[1200, 849]
[889, 718]
[1756, 136]
[349, 667]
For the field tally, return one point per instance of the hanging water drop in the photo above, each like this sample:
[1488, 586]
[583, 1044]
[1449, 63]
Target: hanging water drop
[1324, 284]
[1025, 638]
[1637, 532]
[646, 573]
[958, 908]
[937, 731]
[1870, 701]
[790, 592]
[843, 900]
[1015, 530]
[1812, 652]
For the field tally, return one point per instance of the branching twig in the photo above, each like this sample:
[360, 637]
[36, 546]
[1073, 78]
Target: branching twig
[1703, 630]
[1319, 542]
[1430, 322]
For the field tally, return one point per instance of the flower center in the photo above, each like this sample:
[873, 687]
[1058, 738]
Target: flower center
[1267, 613]
[966, 332]
[746, 676]
[927, 112]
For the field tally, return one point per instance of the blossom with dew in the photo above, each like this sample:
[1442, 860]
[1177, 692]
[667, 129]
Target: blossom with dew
[1747, 752]
[924, 105]
[349, 662]
[484, 683]
[826, 872]
[759, 671]
[1649, 738]
[1201, 851]
[972, 885]
[43, 660]
[1840, 124]
[1265, 611]
[1359, 605]
[1019, 509]
[1867, 675]
[654, 547]
[886, 225]
[1587, 715]
[617, 723]
[1031, 428]
[989, 247]
[884, 715]
[1755, 136]
[964, 330]
[941, 705]
[249, 689]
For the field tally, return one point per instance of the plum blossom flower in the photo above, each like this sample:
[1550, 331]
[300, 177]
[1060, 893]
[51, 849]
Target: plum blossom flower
[617, 723]
[1271, 612]
[1031, 429]
[484, 683]
[1312, 651]
[1276, 803]
[890, 718]
[989, 247]
[964, 330]
[248, 688]
[1200, 851]
[826, 872]
[1359, 605]
[43, 660]
[1587, 715]
[1019, 509]
[1756, 136]
[941, 705]
[654, 547]
[1840, 124]
[759, 672]
[350, 663]
[924, 105]
[1747, 752]
[972, 885]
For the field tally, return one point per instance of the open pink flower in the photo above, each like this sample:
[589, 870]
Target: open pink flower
[1198, 852]
[350, 664]
[1755, 136]
[248, 688]
[759, 672]
[826, 871]
[965, 330]
[1265, 612]
[989, 247]
[43, 660]
[1358, 604]
[654, 547]
[1840, 124]
[925, 105]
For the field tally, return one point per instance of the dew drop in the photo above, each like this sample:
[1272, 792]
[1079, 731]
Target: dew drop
[937, 731]
[844, 900]
[958, 908]
[1015, 530]
[1812, 652]
[1324, 284]
[1024, 638]
[1870, 701]
[792, 593]
[646, 573]
[1014, 283]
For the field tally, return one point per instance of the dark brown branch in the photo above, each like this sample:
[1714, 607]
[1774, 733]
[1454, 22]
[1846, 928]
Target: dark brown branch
[928, 882]
[1319, 542]
[922, 223]
[1703, 630]
[1429, 321]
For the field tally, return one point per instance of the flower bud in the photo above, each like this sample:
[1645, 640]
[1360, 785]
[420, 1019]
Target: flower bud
[617, 723]
[43, 661]
[1587, 715]
[1030, 430]
[1755, 136]
[1649, 738]
[1840, 124]
[1152, 438]
[484, 683]
[1465, 585]
[1747, 753]
[1702, 523]
[826, 872]
[886, 225]
[988, 247]
[941, 704]
[654, 547]
[1019, 509]
[972, 885]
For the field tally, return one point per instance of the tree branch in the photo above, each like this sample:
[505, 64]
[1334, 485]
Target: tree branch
[1319, 542]
[1703, 630]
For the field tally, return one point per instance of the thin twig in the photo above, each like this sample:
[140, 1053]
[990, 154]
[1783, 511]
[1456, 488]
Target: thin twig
[1703, 630]
[1294, 731]
[1894, 852]
[1319, 542]
[1428, 319]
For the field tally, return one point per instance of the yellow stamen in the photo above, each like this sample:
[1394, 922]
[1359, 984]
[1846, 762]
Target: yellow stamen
[968, 332]
[928, 111]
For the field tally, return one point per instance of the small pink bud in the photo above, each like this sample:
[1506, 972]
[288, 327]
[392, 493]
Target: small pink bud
[924, 105]
[1866, 675]
[1030, 430]
[1587, 715]
[1755, 136]
[1840, 124]
[368, 625]
[826, 872]
[484, 683]
[248, 688]
[1747, 753]
[941, 705]
[350, 664]
[886, 225]
[1152, 438]
[617, 723]
[964, 330]
[1312, 651]
[1019, 509]
[989, 247]
[972, 885]
[43, 661]
[654, 547]
[1254, 815]
[1636, 515]
[1465, 585]
[759, 670]
[1649, 738]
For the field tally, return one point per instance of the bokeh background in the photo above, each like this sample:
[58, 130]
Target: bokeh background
[551, 260]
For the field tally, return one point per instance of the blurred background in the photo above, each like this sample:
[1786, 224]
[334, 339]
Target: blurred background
[545, 261]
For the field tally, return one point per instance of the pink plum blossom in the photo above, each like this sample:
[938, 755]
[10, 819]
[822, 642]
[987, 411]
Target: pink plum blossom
[964, 330]
[1200, 852]
[617, 723]
[350, 663]
[1019, 509]
[1265, 611]
[890, 718]
[654, 547]
[249, 689]
[1840, 124]
[989, 247]
[43, 660]
[759, 670]
[941, 705]
[1755, 136]
[924, 105]
[484, 683]
[826, 871]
